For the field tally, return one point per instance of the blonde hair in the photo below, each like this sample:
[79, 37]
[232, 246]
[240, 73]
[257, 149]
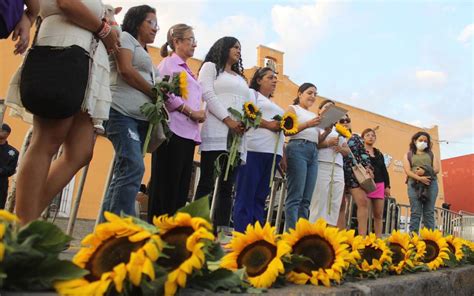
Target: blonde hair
[175, 32]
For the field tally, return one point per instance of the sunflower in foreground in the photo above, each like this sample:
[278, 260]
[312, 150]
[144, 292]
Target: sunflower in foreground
[251, 111]
[354, 254]
[420, 248]
[116, 249]
[187, 235]
[260, 251]
[343, 131]
[436, 248]
[183, 84]
[8, 217]
[325, 248]
[402, 250]
[289, 123]
[374, 253]
[455, 245]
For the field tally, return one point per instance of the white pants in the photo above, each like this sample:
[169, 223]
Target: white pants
[323, 204]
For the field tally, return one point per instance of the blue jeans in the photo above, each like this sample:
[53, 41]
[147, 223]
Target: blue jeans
[127, 136]
[302, 171]
[419, 209]
[253, 182]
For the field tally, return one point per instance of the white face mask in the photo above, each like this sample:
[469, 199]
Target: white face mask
[421, 145]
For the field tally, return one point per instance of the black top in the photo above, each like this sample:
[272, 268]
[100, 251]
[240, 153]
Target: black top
[380, 170]
[8, 160]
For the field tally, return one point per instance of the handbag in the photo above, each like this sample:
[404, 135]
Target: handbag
[158, 134]
[54, 80]
[364, 179]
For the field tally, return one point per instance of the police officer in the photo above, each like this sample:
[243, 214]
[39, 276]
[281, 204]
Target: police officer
[8, 160]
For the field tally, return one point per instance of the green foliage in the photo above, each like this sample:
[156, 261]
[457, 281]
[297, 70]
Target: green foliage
[198, 208]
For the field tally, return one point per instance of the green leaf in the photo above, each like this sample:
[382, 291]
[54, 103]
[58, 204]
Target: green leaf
[213, 251]
[236, 114]
[277, 117]
[293, 261]
[220, 279]
[144, 224]
[51, 238]
[198, 208]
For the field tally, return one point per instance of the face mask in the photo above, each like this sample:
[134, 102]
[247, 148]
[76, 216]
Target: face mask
[421, 145]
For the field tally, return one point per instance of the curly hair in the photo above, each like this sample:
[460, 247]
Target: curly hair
[415, 137]
[219, 53]
[259, 74]
[134, 17]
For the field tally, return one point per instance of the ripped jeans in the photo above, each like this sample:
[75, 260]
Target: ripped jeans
[127, 136]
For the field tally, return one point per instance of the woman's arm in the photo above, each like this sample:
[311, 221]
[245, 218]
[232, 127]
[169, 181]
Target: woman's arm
[411, 174]
[271, 125]
[22, 29]
[435, 163]
[130, 75]
[307, 124]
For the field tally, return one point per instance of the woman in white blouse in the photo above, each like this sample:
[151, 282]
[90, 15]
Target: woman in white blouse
[223, 84]
[253, 178]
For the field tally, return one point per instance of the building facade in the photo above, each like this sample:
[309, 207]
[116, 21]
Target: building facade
[458, 180]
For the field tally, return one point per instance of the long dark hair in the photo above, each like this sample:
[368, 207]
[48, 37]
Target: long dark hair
[415, 137]
[259, 74]
[219, 53]
[134, 18]
[301, 90]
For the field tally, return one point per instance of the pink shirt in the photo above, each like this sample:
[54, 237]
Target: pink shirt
[181, 124]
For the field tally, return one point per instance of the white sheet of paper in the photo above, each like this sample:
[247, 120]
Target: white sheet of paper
[331, 116]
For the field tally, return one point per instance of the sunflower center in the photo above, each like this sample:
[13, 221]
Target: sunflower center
[288, 124]
[398, 255]
[371, 253]
[316, 248]
[432, 251]
[111, 253]
[176, 238]
[256, 257]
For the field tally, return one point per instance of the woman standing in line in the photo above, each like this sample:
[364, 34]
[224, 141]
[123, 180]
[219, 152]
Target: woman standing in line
[131, 85]
[65, 23]
[421, 166]
[302, 156]
[329, 190]
[223, 84]
[381, 178]
[172, 162]
[253, 178]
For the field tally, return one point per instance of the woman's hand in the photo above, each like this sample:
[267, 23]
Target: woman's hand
[332, 142]
[112, 42]
[22, 34]
[370, 172]
[387, 192]
[198, 116]
[313, 122]
[425, 180]
[235, 126]
[274, 126]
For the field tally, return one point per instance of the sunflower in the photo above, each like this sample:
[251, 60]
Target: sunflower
[260, 251]
[116, 248]
[374, 253]
[183, 84]
[455, 246]
[354, 254]
[8, 217]
[402, 250]
[324, 246]
[289, 123]
[436, 248]
[343, 131]
[187, 235]
[251, 110]
[420, 248]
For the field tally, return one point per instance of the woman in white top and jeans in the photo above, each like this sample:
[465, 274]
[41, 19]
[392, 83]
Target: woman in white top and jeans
[253, 178]
[223, 85]
[302, 156]
[327, 196]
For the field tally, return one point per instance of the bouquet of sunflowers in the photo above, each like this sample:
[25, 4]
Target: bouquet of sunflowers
[156, 112]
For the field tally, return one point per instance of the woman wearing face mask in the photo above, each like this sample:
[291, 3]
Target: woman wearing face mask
[172, 162]
[223, 84]
[254, 176]
[302, 156]
[329, 190]
[381, 178]
[421, 166]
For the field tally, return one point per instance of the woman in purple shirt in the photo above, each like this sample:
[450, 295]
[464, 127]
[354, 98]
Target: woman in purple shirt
[172, 162]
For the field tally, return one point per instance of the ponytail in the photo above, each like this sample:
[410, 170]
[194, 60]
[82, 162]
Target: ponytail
[164, 50]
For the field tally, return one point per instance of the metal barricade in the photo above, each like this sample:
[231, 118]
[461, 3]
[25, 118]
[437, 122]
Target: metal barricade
[403, 221]
[449, 222]
[278, 197]
[467, 229]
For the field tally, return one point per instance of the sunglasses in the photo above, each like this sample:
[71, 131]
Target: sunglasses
[344, 120]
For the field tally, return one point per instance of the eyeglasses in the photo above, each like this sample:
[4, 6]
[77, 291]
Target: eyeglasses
[344, 120]
[191, 39]
[153, 24]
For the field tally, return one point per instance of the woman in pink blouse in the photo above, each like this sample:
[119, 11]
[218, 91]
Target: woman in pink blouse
[172, 162]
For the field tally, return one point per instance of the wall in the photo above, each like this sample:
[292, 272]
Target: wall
[458, 180]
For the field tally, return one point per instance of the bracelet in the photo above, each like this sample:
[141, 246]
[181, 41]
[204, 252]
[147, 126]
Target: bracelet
[101, 27]
[182, 108]
[190, 114]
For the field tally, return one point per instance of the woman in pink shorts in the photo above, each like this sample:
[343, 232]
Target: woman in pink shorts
[381, 179]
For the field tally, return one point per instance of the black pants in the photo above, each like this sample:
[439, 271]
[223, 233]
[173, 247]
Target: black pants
[171, 169]
[205, 187]
[3, 191]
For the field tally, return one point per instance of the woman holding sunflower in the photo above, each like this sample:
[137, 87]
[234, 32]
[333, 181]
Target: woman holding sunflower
[223, 84]
[254, 176]
[329, 190]
[172, 162]
[302, 155]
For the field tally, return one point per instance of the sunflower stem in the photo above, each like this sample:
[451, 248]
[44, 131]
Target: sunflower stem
[232, 152]
[147, 139]
[331, 183]
[272, 172]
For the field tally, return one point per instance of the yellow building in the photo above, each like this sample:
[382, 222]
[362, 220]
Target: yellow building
[393, 136]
